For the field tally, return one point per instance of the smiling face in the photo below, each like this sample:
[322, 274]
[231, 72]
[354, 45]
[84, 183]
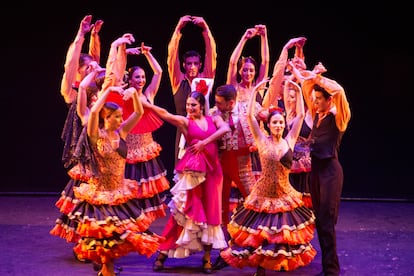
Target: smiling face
[193, 108]
[247, 72]
[276, 124]
[138, 79]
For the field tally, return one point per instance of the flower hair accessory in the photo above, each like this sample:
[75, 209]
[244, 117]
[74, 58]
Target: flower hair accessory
[273, 108]
[202, 85]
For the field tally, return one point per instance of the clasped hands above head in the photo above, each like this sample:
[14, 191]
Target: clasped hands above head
[256, 30]
[196, 20]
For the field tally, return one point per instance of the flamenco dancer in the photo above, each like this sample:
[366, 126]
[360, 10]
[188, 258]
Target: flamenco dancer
[273, 228]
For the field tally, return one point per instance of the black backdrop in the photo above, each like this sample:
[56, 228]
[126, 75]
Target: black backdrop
[366, 49]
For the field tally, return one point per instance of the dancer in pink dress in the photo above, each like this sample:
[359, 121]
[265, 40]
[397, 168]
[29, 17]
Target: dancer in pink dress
[195, 221]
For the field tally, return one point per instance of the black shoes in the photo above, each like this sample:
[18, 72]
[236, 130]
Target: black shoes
[159, 262]
[96, 266]
[207, 267]
[260, 271]
[86, 261]
[220, 263]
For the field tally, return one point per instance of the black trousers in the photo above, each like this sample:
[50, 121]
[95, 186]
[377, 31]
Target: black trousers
[326, 181]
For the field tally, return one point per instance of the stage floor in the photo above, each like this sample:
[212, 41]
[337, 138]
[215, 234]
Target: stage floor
[373, 237]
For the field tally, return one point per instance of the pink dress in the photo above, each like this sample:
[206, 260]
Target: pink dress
[196, 203]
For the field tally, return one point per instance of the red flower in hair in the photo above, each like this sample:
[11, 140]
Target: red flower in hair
[276, 109]
[202, 87]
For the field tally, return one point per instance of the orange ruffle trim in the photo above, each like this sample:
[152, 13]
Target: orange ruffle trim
[87, 192]
[152, 187]
[78, 173]
[65, 204]
[63, 232]
[245, 238]
[107, 250]
[144, 154]
[279, 262]
[105, 229]
[273, 205]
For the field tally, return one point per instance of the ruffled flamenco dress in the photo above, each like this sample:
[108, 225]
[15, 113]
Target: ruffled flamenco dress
[299, 175]
[195, 206]
[273, 227]
[109, 217]
[65, 227]
[143, 162]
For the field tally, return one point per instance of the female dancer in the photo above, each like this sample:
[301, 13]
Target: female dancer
[111, 222]
[195, 221]
[143, 162]
[273, 228]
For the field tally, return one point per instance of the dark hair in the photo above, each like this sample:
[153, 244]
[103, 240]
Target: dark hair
[91, 91]
[93, 88]
[227, 91]
[274, 112]
[244, 60]
[199, 97]
[131, 70]
[106, 111]
[281, 112]
[83, 58]
[319, 88]
[191, 53]
[99, 79]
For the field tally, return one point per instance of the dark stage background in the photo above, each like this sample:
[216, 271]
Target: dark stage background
[366, 49]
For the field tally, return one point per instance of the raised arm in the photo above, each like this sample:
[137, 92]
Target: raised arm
[93, 119]
[173, 58]
[72, 60]
[95, 41]
[176, 120]
[264, 49]
[210, 58]
[275, 85]
[251, 118]
[297, 121]
[82, 108]
[135, 116]
[235, 56]
[343, 112]
[154, 85]
[116, 62]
